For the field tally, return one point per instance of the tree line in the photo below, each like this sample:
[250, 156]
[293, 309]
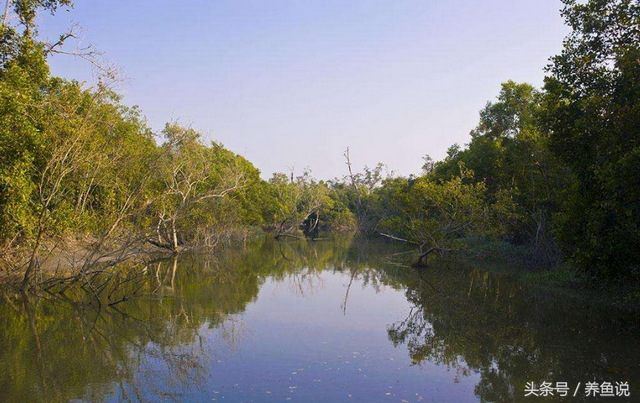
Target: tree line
[552, 170]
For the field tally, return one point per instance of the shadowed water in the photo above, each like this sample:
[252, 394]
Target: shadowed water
[331, 321]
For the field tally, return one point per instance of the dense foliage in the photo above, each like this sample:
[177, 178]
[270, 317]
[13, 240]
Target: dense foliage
[554, 170]
[592, 112]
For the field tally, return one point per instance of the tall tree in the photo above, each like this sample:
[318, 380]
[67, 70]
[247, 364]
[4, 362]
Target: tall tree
[510, 153]
[592, 110]
[187, 181]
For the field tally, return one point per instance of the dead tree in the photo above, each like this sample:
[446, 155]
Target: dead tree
[187, 181]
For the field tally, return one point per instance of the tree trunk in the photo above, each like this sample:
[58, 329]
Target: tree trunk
[33, 259]
[422, 259]
[6, 13]
[174, 234]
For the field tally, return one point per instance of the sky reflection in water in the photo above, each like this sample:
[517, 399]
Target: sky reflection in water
[330, 321]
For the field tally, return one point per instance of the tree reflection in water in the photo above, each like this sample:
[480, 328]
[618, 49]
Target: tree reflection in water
[472, 320]
[157, 341]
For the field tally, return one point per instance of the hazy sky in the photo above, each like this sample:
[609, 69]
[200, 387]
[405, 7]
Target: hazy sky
[295, 82]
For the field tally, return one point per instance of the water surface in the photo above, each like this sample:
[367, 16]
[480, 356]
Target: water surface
[331, 321]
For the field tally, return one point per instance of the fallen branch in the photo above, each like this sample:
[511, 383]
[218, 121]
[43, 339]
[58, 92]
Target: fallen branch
[395, 238]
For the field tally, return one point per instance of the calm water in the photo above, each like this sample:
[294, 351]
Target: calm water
[331, 321]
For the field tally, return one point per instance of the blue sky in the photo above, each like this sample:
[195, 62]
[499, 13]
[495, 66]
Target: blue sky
[293, 83]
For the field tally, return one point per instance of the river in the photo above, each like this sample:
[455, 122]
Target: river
[338, 320]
